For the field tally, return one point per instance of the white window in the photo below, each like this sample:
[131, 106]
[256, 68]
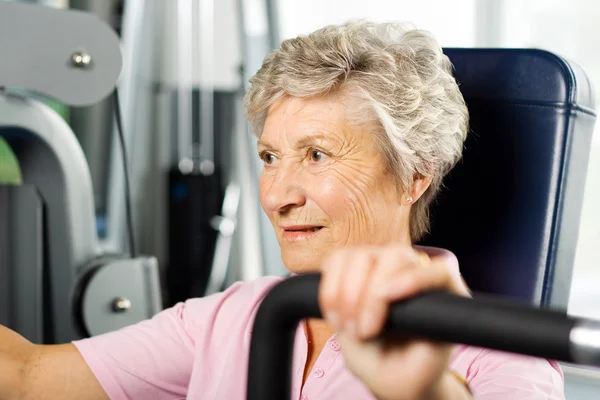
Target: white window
[452, 22]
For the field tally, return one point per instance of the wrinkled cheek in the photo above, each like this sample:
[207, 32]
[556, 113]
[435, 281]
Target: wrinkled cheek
[360, 218]
[348, 208]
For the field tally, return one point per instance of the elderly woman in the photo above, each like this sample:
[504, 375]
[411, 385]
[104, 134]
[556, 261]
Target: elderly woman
[357, 125]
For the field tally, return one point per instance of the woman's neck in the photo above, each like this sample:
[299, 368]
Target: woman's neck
[318, 333]
[318, 327]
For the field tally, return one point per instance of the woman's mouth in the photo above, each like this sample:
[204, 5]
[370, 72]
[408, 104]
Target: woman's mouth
[300, 232]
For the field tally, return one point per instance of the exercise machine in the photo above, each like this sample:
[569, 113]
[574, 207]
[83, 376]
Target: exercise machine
[486, 321]
[510, 213]
[59, 285]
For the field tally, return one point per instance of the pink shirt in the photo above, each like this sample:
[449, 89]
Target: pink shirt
[199, 350]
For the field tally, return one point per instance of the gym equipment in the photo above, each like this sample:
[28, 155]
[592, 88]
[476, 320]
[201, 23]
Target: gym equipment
[488, 321]
[202, 208]
[513, 203]
[60, 287]
[510, 211]
[10, 172]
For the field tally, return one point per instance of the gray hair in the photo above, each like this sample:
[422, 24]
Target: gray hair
[405, 87]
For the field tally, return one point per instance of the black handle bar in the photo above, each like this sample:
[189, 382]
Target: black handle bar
[485, 321]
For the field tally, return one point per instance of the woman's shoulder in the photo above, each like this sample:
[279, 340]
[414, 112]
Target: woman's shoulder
[238, 303]
[239, 292]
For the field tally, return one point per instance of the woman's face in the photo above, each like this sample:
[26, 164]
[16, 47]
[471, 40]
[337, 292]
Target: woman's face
[324, 184]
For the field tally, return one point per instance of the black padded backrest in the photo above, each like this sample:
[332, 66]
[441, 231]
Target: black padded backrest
[510, 209]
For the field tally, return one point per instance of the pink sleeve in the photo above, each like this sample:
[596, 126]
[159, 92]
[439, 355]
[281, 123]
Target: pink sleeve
[150, 360]
[154, 359]
[495, 375]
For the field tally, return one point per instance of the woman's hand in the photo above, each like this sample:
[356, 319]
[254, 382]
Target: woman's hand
[357, 286]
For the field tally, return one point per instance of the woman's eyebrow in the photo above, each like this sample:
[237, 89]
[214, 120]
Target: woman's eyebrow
[302, 142]
[263, 145]
[312, 140]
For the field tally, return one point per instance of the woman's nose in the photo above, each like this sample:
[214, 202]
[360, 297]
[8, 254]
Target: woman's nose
[282, 191]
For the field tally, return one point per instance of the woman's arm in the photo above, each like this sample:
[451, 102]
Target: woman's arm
[29, 371]
[60, 372]
[14, 353]
[152, 359]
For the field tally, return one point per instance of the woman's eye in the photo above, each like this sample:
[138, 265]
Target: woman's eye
[317, 155]
[267, 158]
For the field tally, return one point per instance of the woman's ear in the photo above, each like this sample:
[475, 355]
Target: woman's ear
[419, 186]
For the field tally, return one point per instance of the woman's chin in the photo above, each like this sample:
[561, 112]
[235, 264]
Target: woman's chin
[300, 271]
[301, 265]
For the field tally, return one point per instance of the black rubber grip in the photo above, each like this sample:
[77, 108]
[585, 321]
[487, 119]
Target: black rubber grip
[485, 321]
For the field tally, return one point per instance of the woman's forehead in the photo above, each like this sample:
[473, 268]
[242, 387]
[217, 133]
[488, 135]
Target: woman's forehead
[307, 110]
[305, 119]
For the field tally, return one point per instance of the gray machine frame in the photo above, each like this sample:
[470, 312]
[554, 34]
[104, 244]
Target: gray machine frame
[84, 292]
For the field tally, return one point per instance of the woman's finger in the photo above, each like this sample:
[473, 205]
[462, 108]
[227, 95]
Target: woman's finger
[391, 264]
[330, 286]
[357, 275]
[435, 276]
